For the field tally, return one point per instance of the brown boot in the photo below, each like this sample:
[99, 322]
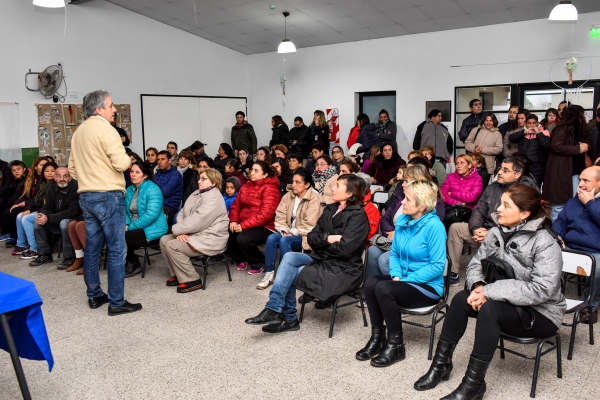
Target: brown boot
[79, 271]
[76, 265]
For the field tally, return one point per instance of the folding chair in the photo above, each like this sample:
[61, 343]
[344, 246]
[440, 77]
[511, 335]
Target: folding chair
[380, 198]
[580, 264]
[440, 308]
[203, 262]
[354, 293]
[376, 188]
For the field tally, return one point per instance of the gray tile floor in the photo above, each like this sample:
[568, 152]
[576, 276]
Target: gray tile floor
[196, 346]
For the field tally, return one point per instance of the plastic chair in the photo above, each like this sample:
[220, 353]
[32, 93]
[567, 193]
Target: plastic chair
[440, 308]
[354, 293]
[376, 188]
[580, 264]
[202, 261]
[380, 198]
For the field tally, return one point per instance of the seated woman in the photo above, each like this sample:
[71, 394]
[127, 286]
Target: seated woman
[151, 156]
[436, 165]
[77, 235]
[337, 156]
[280, 150]
[521, 239]
[26, 243]
[417, 262]
[14, 203]
[464, 186]
[283, 174]
[296, 216]
[225, 153]
[317, 150]
[332, 268]
[201, 229]
[377, 258]
[134, 158]
[348, 167]
[246, 161]
[263, 154]
[325, 178]
[385, 166]
[252, 218]
[144, 217]
[370, 158]
[193, 186]
[234, 168]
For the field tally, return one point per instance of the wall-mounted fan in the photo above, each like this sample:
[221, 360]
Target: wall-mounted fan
[49, 82]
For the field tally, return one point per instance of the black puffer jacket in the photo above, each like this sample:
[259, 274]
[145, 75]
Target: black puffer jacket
[535, 148]
[302, 137]
[367, 138]
[336, 268]
[281, 135]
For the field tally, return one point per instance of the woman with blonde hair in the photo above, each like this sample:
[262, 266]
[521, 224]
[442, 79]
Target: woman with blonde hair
[319, 129]
[375, 151]
[280, 150]
[464, 186]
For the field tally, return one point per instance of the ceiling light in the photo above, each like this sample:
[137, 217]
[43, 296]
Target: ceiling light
[49, 3]
[565, 11]
[286, 45]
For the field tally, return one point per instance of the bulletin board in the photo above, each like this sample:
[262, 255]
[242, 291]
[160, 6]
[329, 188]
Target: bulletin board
[58, 122]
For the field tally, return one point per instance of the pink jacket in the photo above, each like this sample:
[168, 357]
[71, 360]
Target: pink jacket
[458, 189]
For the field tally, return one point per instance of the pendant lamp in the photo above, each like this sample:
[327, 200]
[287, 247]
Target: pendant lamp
[49, 3]
[565, 11]
[286, 45]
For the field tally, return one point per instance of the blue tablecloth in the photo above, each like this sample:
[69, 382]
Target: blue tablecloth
[20, 297]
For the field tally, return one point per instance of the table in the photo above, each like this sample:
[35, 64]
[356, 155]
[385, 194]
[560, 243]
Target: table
[23, 331]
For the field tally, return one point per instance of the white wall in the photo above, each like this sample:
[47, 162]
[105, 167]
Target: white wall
[417, 67]
[108, 47]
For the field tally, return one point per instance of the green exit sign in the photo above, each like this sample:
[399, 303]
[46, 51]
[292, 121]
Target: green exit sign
[595, 32]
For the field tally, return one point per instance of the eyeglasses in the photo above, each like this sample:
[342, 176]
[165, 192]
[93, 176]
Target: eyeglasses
[506, 170]
[336, 152]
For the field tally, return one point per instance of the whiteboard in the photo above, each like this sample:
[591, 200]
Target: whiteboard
[10, 145]
[184, 119]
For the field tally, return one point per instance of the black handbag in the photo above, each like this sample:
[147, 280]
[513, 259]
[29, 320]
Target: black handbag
[494, 269]
[456, 213]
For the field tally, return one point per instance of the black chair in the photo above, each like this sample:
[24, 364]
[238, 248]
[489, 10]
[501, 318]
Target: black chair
[355, 293]
[152, 245]
[440, 308]
[538, 355]
[203, 262]
[580, 265]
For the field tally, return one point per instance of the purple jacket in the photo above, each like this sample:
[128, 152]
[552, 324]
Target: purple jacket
[386, 224]
[457, 189]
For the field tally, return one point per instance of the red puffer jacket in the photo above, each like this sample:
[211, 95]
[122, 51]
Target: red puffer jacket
[458, 189]
[256, 203]
[372, 215]
[353, 136]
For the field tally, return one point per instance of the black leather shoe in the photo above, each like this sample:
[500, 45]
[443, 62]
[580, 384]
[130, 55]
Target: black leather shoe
[473, 384]
[132, 270]
[98, 301]
[440, 368]
[127, 307]
[266, 316]
[392, 352]
[374, 345]
[304, 299]
[67, 262]
[283, 326]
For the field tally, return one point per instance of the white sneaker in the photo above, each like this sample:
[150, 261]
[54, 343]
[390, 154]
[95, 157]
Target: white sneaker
[266, 281]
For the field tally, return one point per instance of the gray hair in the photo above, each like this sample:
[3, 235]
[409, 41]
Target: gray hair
[92, 101]
[366, 178]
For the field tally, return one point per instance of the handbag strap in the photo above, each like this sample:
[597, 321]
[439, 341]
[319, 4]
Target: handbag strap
[531, 314]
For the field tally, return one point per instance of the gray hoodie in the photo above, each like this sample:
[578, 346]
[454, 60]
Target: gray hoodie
[537, 261]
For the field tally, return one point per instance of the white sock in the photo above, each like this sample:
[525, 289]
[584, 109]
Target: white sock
[78, 253]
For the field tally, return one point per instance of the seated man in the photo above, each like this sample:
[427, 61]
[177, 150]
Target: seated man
[474, 232]
[170, 182]
[62, 207]
[578, 225]
[174, 152]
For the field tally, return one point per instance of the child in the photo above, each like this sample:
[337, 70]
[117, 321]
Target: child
[479, 163]
[232, 187]
[397, 181]
[233, 168]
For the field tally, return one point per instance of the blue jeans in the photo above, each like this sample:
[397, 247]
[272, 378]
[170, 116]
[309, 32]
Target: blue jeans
[596, 293]
[104, 214]
[282, 298]
[285, 244]
[557, 208]
[25, 234]
[378, 261]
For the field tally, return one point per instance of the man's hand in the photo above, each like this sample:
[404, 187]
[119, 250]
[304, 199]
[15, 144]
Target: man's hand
[41, 219]
[585, 196]
[334, 238]
[183, 238]
[479, 235]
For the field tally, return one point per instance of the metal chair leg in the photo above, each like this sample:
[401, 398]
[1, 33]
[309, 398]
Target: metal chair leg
[432, 335]
[146, 258]
[558, 356]
[301, 312]
[333, 317]
[591, 325]
[205, 272]
[501, 348]
[362, 308]
[536, 368]
[572, 339]
[227, 266]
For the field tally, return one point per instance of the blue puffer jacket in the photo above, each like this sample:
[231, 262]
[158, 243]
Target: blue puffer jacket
[579, 225]
[150, 209]
[170, 183]
[418, 253]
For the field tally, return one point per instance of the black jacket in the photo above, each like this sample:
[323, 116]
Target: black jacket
[386, 133]
[6, 180]
[536, 151]
[336, 268]
[368, 138]
[123, 134]
[281, 135]
[302, 137]
[188, 176]
[468, 124]
[319, 134]
[61, 203]
[481, 217]
[190, 188]
[17, 187]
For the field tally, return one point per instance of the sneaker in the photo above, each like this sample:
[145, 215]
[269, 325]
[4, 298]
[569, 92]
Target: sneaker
[28, 255]
[42, 259]
[6, 237]
[19, 250]
[67, 262]
[189, 286]
[172, 281]
[454, 279]
[11, 243]
[267, 280]
[253, 271]
[242, 266]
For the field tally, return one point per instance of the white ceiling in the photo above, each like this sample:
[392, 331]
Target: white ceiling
[250, 26]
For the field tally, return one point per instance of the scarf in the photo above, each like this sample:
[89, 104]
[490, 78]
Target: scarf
[182, 170]
[206, 190]
[320, 177]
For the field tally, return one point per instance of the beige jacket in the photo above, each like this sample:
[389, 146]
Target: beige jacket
[309, 211]
[490, 143]
[98, 158]
[204, 219]
[326, 197]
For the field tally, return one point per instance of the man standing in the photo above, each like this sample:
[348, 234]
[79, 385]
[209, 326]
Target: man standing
[172, 149]
[387, 130]
[472, 120]
[299, 138]
[170, 182]
[61, 207]
[97, 161]
[434, 134]
[242, 135]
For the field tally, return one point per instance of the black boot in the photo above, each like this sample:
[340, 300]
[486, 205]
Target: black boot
[374, 345]
[472, 386]
[440, 368]
[392, 352]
